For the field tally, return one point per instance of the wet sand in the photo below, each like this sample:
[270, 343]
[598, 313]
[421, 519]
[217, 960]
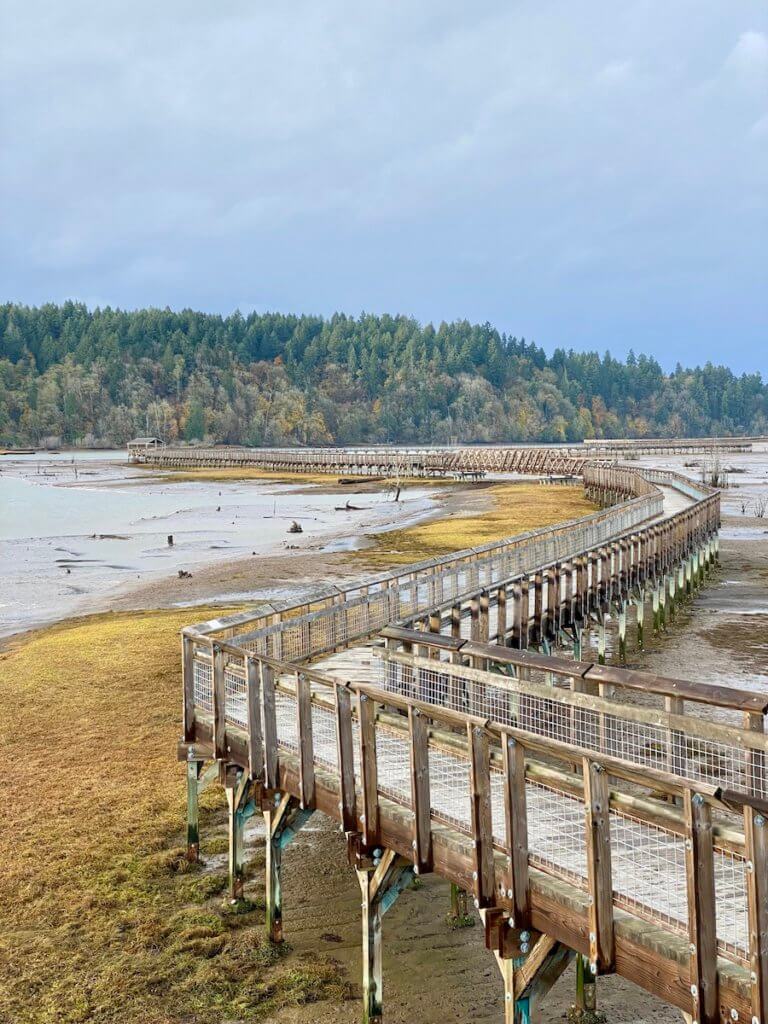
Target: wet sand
[82, 537]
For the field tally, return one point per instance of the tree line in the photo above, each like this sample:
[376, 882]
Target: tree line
[74, 376]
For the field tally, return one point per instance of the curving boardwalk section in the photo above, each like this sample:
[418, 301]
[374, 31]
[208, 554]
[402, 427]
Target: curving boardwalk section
[447, 718]
[398, 462]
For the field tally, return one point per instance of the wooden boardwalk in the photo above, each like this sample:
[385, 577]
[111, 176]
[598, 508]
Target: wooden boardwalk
[399, 462]
[445, 717]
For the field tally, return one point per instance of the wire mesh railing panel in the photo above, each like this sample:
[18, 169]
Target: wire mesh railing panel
[555, 714]
[649, 871]
[449, 778]
[285, 715]
[731, 904]
[202, 674]
[393, 764]
[235, 698]
[324, 741]
[556, 832]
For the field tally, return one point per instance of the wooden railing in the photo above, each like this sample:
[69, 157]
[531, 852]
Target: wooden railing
[633, 834]
[686, 856]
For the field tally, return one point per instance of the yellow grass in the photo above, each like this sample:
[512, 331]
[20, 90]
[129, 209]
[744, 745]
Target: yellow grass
[231, 474]
[513, 508]
[223, 476]
[103, 921]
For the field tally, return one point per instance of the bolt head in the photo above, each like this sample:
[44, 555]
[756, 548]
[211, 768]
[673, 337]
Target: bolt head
[758, 820]
[524, 947]
[734, 1014]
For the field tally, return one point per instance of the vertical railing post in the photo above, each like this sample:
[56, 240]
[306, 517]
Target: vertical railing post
[271, 750]
[219, 703]
[368, 770]
[346, 762]
[599, 874]
[304, 740]
[516, 821]
[421, 843]
[482, 823]
[255, 732]
[700, 884]
[756, 852]
[188, 679]
[501, 616]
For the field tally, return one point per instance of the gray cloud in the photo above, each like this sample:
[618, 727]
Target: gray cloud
[586, 174]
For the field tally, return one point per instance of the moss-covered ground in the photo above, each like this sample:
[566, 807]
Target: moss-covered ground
[103, 919]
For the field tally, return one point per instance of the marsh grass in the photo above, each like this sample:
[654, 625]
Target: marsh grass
[103, 918]
[512, 508]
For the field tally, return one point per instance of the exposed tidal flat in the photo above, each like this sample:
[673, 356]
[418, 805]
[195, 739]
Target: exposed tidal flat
[83, 532]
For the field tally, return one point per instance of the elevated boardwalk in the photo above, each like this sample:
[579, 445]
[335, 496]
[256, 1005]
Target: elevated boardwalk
[465, 461]
[446, 718]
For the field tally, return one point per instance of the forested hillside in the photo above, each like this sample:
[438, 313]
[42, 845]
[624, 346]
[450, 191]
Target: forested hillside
[73, 376]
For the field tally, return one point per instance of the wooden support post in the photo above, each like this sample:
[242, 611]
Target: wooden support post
[655, 605]
[756, 852]
[601, 641]
[484, 615]
[623, 631]
[456, 621]
[283, 818]
[237, 785]
[501, 616]
[599, 877]
[538, 606]
[525, 613]
[474, 620]
[640, 609]
[700, 882]
[528, 978]
[586, 990]
[380, 884]
[459, 916]
[193, 812]
[517, 615]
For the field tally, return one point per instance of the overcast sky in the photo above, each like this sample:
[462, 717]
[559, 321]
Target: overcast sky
[586, 174]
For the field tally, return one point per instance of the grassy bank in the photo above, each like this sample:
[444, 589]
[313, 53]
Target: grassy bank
[103, 920]
[502, 510]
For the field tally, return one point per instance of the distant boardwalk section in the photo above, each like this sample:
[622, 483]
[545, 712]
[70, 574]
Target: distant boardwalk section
[461, 461]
